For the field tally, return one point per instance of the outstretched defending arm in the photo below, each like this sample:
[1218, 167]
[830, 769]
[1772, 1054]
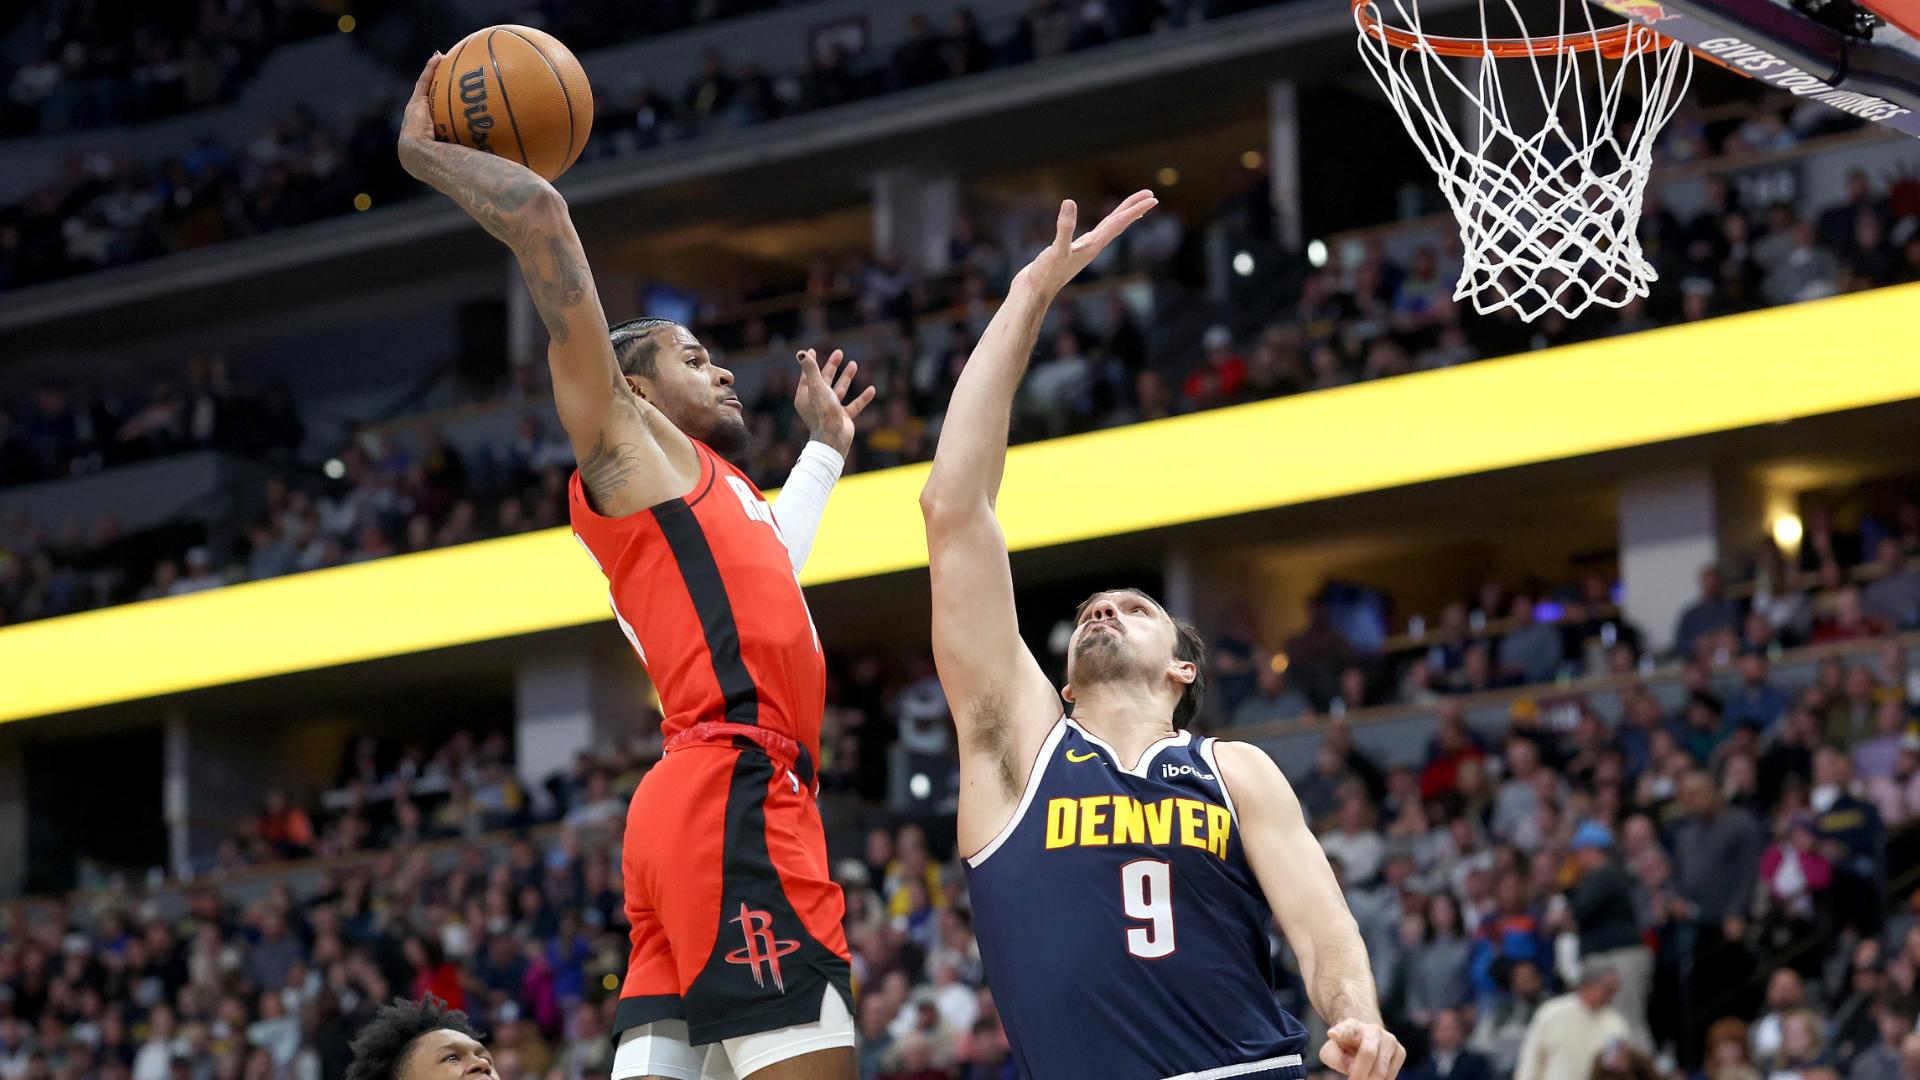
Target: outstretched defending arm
[1293, 872]
[618, 439]
[998, 692]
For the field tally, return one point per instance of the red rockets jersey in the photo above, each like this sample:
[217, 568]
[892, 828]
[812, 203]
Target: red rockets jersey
[703, 588]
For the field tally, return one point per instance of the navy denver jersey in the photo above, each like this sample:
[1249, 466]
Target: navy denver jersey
[1123, 932]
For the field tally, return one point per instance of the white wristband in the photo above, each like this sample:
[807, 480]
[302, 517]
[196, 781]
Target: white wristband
[803, 499]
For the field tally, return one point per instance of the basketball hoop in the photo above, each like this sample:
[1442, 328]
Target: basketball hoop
[1548, 204]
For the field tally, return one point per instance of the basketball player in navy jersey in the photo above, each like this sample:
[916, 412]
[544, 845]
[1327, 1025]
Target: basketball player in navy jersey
[1123, 872]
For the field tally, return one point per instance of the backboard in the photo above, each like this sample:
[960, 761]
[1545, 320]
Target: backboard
[1859, 56]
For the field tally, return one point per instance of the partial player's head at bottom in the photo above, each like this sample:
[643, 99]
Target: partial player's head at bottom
[420, 1040]
[664, 363]
[1125, 640]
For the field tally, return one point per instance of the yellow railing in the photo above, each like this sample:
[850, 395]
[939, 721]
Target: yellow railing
[1738, 372]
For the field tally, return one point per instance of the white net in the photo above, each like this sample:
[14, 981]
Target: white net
[1547, 186]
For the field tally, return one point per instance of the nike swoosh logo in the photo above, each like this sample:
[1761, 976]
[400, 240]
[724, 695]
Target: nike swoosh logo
[1078, 758]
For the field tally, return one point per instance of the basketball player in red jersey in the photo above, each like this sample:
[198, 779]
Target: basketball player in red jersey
[739, 966]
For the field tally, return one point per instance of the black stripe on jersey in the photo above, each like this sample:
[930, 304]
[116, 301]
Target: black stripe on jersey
[709, 593]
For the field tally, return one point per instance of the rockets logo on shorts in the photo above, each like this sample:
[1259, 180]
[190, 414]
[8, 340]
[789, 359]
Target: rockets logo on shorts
[761, 948]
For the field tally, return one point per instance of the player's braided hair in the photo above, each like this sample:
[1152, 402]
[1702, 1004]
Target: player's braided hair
[635, 346]
[381, 1047]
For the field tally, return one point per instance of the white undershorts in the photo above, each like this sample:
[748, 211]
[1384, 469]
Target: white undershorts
[661, 1048]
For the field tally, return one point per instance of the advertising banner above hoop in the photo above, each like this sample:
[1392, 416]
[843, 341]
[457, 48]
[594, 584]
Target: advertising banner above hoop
[1736, 51]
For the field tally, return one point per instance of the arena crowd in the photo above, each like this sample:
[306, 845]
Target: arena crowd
[1542, 900]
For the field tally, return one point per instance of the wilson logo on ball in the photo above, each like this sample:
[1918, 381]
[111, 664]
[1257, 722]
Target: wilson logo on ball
[515, 92]
[473, 91]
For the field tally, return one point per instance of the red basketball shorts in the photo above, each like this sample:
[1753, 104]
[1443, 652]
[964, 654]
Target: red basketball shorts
[736, 921]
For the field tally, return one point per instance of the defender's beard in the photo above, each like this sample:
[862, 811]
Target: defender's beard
[1100, 657]
[730, 437]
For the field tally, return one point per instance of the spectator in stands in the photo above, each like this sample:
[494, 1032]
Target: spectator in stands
[1786, 994]
[284, 828]
[1870, 257]
[1789, 758]
[1910, 1056]
[965, 50]
[1354, 841]
[1503, 1025]
[1054, 386]
[1897, 796]
[1802, 1045]
[1602, 908]
[1850, 712]
[1716, 852]
[1320, 790]
[1436, 977]
[1507, 935]
[1569, 1032]
[918, 60]
[1221, 373]
[1849, 619]
[1317, 655]
[1452, 746]
[1877, 758]
[1236, 662]
[432, 973]
[1757, 701]
[1274, 700]
[600, 806]
[1796, 877]
[1894, 595]
[1448, 1057]
[1838, 224]
[1851, 838]
[1852, 1024]
[1808, 271]
[1516, 806]
[1531, 652]
[1902, 678]
[1702, 729]
[1726, 1054]
[1893, 1019]
[1708, 615]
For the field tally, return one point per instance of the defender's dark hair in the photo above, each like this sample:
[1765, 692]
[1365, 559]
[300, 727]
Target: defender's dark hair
[634, 346]
[1188, 647]
[381, 1048]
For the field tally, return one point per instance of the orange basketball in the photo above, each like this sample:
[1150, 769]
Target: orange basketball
[516, 92]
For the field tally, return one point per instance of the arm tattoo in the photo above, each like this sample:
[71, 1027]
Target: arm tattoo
[606, 469]
[495, 191]
[564, 289]
[490, 188]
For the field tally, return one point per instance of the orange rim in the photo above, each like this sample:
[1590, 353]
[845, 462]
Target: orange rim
[1612, 43]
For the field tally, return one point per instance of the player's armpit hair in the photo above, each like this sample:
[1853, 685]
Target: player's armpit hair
[381, 1047]
[635, 346]
[990, 732]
